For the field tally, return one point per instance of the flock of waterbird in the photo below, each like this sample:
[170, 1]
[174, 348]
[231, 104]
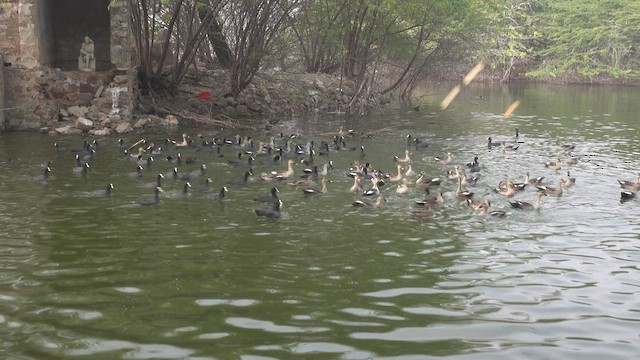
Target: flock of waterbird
[279, 158]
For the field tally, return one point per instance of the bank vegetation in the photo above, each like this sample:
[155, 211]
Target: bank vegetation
[384, 48]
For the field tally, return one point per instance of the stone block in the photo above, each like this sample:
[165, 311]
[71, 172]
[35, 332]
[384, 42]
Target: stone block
[123, 128]
[84, 124]
[101, 132]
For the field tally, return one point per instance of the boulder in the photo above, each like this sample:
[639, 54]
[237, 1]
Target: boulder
[170, 120]
[101, 132]
[123, 128]
[84, 124]
[144, 122]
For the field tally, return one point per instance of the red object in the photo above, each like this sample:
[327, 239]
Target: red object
[205, 95]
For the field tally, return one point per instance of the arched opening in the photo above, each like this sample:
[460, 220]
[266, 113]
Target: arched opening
[63, 25]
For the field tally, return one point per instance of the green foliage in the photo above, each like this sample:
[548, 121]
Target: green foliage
[590, 39]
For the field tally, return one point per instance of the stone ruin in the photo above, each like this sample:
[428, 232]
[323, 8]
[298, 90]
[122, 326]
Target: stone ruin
[66, 66]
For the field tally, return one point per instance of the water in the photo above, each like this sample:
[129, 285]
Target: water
[104, 278]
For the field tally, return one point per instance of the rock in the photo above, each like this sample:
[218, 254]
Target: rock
[44, 129]
[64, 113]
[99, 91]
[170, 120]
[101, 132]
[144, 122]
[84, 124]
[75, 111]
[231, 101]
[63, 129]
[123, 128]
[105, 123]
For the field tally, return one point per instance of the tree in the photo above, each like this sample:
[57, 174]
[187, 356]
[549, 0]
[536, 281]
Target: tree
[590, 40]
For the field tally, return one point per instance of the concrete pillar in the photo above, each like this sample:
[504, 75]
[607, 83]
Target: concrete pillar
[2, 102]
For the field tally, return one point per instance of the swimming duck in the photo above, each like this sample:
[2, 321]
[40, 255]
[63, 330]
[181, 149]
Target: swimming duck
[630, 185]
[432, 201]
[184, 142]
[567, 147]
[379, 200]
[569, 181]
[474, 166]
[395, 177]
[402, 189]
[155, 200]
[356, 187]
[182, 193]
[523, 205]
[102, 192]
[195, 173]
[553, 165]
[206, 187]
[283, 175]
[454, 174]
[138, 173]
[315, 191]
[474, 203]
[492, 143]
[535, 181]
[221, 195]
[468, 180]
[44, 177]
[325, 168]
[552, 191]
[81, 169]
[506, 190]
[403, 159]
[374, 190]
[444, 160]
[271, 213]
[419, 144]
[425, 211]
[173, 174]
[462, 193]
[627, 195]
[571, 160]
[485, 209]
[241, 182]
[270, 198]
[410, 172]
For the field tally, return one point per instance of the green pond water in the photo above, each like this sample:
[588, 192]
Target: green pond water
[85, 277]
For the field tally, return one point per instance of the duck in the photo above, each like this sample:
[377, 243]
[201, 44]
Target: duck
[272, 212]
[410, 172]
[523, 205]
[206, 187]
[552, 191]
[432, 201]
[566, 147]
[506, 190]
[184, 142]
[360, 203]
[474, 166]
[485, 209]
[461, 193]
[138, 173]
[45, 175]
[324, 170]
[283, 175]
[173, 174]
[220, 195]
[403, 159]
[569, 181]
[571, 160]
[468, 180]
[444, 160]
[81, 169]
[58, 148]
[627, 195]
[182, 193]
[630, 185]
[492, 143]
[374, 190]
[475, 204]
[175, 159]
[419, 144]
[315, 191]
[425, 211]
[356, 187]
[553, 165]
[241, 182]
[508, 147]
[535, 181]
[155, 200]
[195, 173]
[102, 192]
[302, 183]
[402, 189]
[270, 198]
[454, 174]
[395, 177]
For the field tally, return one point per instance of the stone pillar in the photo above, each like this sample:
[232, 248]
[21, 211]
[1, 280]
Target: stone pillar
[2, 102]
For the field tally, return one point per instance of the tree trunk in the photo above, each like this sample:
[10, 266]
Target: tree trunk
[217, 40]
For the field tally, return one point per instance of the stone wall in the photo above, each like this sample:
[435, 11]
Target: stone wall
[37, 91]
[2, 104]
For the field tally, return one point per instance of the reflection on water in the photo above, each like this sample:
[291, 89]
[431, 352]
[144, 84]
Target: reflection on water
[102, 277]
